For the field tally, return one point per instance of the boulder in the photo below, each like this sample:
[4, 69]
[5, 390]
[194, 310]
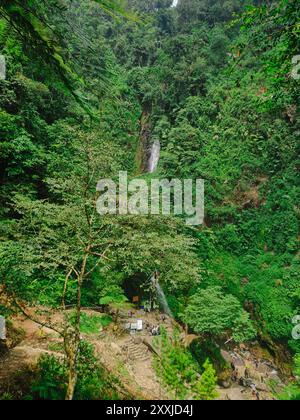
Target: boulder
[226, 356]
[261, 387]
[225, 384]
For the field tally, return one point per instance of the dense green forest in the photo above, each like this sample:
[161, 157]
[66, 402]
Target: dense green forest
[90, 85]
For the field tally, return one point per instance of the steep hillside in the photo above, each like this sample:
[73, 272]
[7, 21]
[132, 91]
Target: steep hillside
[95, 91]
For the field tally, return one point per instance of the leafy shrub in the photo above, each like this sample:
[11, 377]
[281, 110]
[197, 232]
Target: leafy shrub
[94, 382]
[91, 324]
[180, 372]
[213, 313]
[292, 391]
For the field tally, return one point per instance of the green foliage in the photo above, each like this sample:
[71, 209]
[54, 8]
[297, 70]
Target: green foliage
[113, 294]
[51, 380]
[175, 365]
[215, 79]
[208, 349]
[180, 372]
[213, 313]
[6, 397]
[41, 25]
[92, 324]
[225, 108]
[292, 391]
[205, 388]
[94, 383]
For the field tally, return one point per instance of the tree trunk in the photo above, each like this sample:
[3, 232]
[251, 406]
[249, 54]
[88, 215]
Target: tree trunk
[72, 380]
[71, 344]
[72, 337]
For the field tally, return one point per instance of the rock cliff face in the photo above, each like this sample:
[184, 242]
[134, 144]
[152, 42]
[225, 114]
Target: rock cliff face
[3, 347]
[149, 150]
[145, 138]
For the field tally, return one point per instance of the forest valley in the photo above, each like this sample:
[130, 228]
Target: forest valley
[145, 307]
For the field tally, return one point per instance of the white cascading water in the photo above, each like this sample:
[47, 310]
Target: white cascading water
[175, 3]
[161, 297]
[154, 157]
[151, 167]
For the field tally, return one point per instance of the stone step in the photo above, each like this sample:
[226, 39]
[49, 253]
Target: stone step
[140, 352]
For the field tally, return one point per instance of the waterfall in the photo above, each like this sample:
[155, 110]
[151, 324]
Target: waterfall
[161, 297]
[154, 157]
[149, 151]
[175, 3]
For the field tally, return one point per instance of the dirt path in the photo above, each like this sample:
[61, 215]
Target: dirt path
[126, 357]
[130, 357]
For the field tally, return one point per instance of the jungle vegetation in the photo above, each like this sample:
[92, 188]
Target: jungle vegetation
[216, 81]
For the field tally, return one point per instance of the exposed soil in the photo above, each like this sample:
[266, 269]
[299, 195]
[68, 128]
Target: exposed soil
[129, 356]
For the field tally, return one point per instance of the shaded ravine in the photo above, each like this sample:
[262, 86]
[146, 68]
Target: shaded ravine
[148, 153]
[149, 156]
